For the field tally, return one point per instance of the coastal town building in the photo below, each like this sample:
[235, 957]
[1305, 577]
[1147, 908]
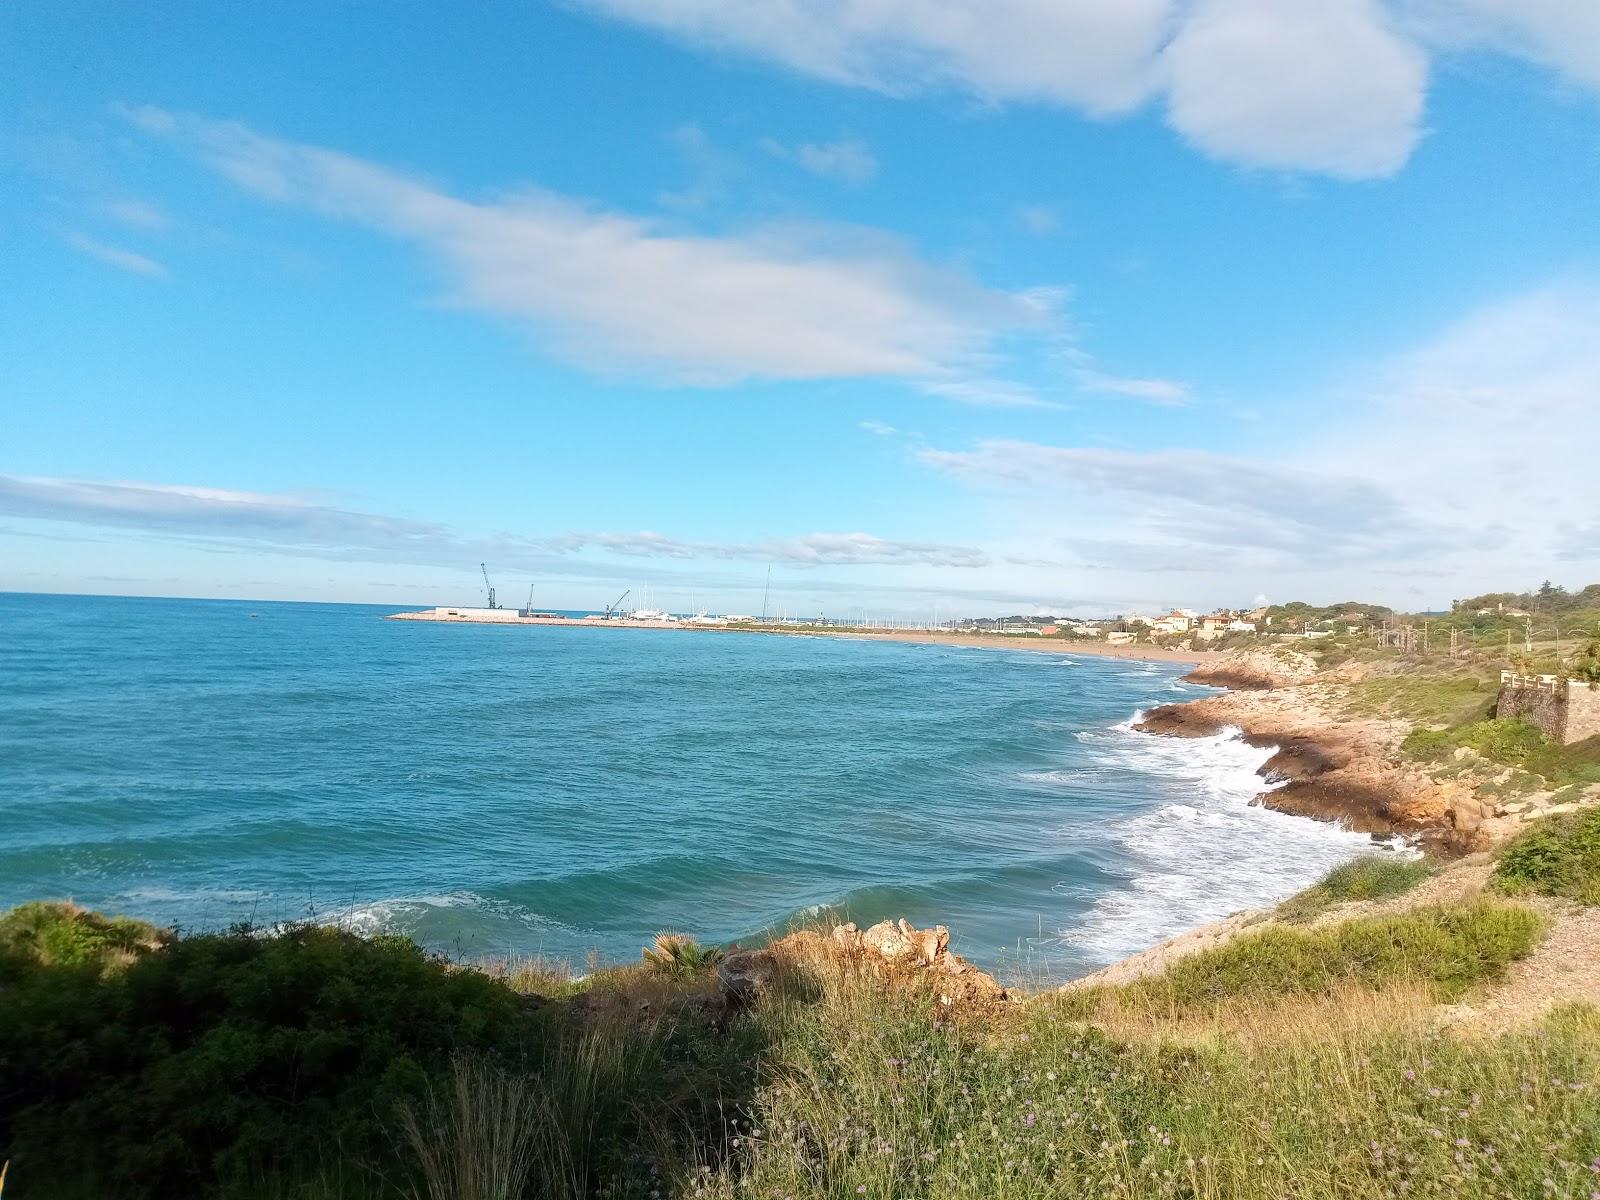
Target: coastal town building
[1177, 621]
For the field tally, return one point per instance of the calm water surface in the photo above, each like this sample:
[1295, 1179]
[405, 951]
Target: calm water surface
[554, 790]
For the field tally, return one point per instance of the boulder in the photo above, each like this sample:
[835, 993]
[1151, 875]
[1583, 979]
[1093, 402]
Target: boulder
[886, 940]
[745, 974]
[847, 936]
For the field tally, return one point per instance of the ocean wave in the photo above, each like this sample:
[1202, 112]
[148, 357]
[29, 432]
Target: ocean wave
[1206, 852]
[471, 914]
[1071, 775]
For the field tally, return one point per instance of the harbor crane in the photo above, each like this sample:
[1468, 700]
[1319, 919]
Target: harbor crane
[489, 587]
[528, 612]
[616, 604]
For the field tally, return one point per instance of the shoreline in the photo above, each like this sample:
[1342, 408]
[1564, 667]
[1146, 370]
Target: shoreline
[926, 637]
[1333, 765]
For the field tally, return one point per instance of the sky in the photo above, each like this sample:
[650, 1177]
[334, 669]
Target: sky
[954, 306]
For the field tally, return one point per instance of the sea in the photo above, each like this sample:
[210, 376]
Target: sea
[568, 793]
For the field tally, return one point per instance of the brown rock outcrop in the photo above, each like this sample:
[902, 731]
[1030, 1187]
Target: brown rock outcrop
[901, 945]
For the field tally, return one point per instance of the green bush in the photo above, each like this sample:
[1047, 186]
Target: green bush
[47, 934]
[1558, 856]
[1449, 949]
[221, 1056]
[1371, 877]
[281, 1065]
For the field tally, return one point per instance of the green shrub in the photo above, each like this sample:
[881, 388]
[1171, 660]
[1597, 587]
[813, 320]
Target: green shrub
[48, 934]
[1371, 877]
[1449, 949]
[226, 1055]
[1557, 856]
[280, 1066]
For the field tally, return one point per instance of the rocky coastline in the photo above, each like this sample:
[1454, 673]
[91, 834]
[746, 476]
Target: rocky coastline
[1328, 765]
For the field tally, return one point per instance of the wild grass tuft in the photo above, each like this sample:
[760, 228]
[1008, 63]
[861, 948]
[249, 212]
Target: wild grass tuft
[478, 1140]
[1371, 877]
[1557, 856]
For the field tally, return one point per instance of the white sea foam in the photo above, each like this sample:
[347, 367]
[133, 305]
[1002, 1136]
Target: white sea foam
[1205, 853]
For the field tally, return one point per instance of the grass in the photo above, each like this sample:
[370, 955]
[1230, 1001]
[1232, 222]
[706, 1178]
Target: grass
[1557, 856]
[1291, 1063]
[1515, 743]
[1451, 698]
[1371, 877]
[871, 1095]
[1447, 950]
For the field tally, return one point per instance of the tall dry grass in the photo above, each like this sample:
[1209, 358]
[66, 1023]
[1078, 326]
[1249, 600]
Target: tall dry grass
[479, 1139]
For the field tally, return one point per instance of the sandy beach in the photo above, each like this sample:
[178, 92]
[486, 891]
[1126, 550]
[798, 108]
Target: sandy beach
[980, 641]
[986, 641]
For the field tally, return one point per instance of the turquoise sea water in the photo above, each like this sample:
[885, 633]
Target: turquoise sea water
[556, 790]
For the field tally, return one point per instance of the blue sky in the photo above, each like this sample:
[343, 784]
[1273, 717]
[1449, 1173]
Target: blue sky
[1000, 306]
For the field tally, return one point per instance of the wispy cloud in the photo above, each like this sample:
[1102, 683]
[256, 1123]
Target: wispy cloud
[1155, 391]
[116, 256]
[849, 160]
[1331, 86]
[136, 214]
[294, 525]
[1203, 504]
[614, 291]
[990, 393]
[1038, 219]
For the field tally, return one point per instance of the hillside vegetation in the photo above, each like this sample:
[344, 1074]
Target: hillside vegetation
[1299, 1060]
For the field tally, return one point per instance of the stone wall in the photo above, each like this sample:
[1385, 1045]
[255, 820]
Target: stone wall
[1583, 712]
[1568, 711]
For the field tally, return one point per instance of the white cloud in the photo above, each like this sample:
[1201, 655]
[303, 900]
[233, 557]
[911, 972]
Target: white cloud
[116, 256]
[1494, 421]
[1318, 85]
[1083, 53]
[990, 393]
[879, 428]
[615, 291]
[293, 524]
[1563, 34]
[1199, 503]
[136, 213]
[1168, 392]
[1330, 86]
[1468, 459]
[849, 160]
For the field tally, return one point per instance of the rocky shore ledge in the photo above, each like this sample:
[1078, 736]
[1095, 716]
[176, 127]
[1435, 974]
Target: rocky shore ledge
[1329, 765]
